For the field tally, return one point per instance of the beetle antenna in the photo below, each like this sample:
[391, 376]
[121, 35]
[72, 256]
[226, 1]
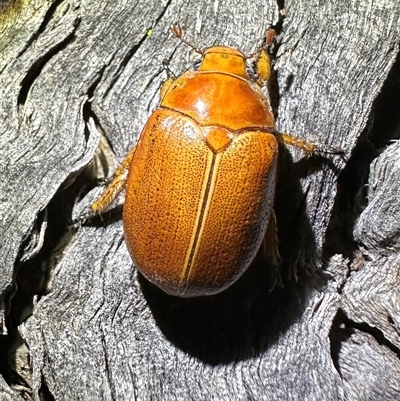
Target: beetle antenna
[269, 37]
[177, 32]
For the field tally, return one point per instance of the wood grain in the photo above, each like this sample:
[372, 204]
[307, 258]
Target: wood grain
[78, 80]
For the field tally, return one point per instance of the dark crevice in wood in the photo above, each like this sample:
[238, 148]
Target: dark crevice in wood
[5, 350]
[339, 333]
[279, 24]
[376, 333]
[281, 4]
[158, 19]
[385, 114]
[21, 293]
[9, 365]
[297, 243]
[343, 328]
[87, 114]
[32, 275]
[272, 83]
[87, 111]
[108, 371]
[42, 28]
[130, 53]
[111, 215]
[44, 391]
[351, 198]
[37, 67]
[128, 56]
[33, 242]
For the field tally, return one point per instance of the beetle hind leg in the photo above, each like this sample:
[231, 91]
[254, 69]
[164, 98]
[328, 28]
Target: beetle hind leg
[270, 242]
[116, 185]
[269, 250]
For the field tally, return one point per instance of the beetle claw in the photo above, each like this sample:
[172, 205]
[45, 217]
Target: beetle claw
[324, 149]
[81, 220]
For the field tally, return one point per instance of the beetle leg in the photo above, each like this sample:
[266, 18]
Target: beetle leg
[270, 243]
[288, 139]
[116, 185]
[270, 251]
[263, 61]
[263, 64]
[168, 70]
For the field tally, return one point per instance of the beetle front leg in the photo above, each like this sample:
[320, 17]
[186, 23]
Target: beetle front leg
[116, 185]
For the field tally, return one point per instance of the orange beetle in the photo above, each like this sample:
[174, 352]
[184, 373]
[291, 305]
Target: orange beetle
[201, 181]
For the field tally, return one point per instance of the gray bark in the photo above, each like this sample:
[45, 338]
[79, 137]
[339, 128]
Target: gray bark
[78, 79]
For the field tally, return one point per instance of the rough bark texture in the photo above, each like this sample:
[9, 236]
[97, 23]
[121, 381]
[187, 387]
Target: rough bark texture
[78, 79]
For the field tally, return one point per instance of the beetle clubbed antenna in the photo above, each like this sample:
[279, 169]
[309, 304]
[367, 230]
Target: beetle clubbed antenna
[177, 32]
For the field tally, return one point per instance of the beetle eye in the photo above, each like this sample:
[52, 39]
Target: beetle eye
[196, 64]
[250, 72]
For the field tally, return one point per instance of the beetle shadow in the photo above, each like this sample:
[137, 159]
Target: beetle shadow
[237, 324]
[247, 318]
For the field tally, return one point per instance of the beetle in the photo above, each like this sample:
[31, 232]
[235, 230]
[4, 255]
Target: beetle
[200, 183]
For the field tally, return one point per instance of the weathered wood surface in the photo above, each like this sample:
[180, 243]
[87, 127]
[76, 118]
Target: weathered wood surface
[80, 324]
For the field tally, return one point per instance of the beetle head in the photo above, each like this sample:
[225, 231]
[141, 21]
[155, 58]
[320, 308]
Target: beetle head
[226, 60]
[223, 59]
